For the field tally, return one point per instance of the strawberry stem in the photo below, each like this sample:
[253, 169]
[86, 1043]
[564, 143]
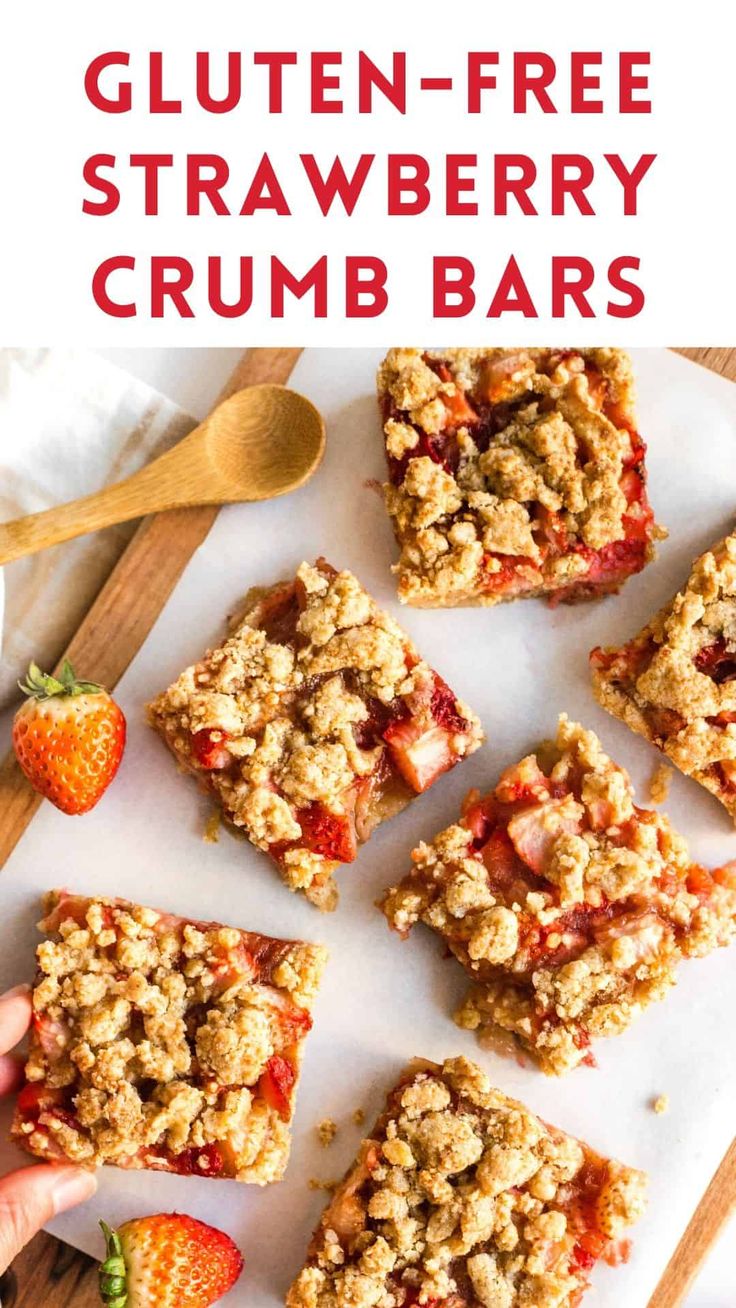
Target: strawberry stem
[113, 1285]
[42, 685]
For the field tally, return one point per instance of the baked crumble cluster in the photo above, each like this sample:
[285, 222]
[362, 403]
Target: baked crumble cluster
[513, 473]
[162, 1043]
[464, 1198]
[569, 906]
[675, 683]
[315, 721]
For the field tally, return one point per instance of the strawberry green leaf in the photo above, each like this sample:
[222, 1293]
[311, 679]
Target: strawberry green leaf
[112, 1274]
[43, 685]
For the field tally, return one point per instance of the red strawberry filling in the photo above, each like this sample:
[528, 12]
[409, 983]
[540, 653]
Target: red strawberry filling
[627, 663]
[279, 612]
[421, 744]
[460, 412]
[371, 731]
[441, 448]
[36, 1098]
[74, 908]
[411, 1299]
[330, 834]
[505, 574]
[717, 662]
[420, 753]
[726, 773]
[276, 1085]
[589, 1249]
[295, 1023]
[204, 1161]
[507, 875]
[585, 1190]
[533, 831]
[236, 965]
[209, 747]
[443, 707]
[552, 530]
[512, 833]
[571, 934]
[52, 1035]
[615, 562]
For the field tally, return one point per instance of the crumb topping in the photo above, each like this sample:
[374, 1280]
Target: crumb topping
[512, 472]
[462, 1195]
[661, 1104]
[326, 1132]
[162, 1043]
[306, 722]
[675, 682]
[659, 785]
[568, 905]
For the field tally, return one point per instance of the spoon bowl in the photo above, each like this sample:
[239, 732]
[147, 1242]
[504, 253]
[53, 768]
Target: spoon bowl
[262, 442]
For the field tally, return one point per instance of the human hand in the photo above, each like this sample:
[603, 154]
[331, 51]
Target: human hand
[30, 1197]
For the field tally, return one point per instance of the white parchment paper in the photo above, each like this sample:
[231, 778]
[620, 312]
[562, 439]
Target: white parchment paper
[383, 1000]
[70, 423]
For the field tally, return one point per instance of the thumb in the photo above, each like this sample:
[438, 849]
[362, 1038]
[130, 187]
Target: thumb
[31, 1197]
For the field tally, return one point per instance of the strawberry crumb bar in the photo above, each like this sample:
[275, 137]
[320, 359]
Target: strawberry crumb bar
[675, 683]
[462, 1198]
[513, 473]
[568, 905]
[164, 1044]
[314, 722]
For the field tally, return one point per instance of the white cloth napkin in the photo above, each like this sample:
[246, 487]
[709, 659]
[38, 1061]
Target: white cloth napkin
[70, 423]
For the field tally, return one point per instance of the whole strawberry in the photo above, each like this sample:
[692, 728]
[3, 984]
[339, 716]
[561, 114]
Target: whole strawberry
[167, 1261]
[68, 737]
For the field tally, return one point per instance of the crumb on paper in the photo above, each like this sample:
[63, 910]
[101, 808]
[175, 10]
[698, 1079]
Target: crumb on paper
[659, 786]
[359, 1117]
[327, 1130]
[661, 1104]
[316, 1184]
[212, 829]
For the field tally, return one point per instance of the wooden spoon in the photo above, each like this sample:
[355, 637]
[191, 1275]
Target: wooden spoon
[262, 442]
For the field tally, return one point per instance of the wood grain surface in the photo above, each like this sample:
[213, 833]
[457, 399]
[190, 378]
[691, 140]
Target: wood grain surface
[48, 1272]
[132, 598]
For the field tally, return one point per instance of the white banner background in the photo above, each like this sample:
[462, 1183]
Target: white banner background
[683, 233]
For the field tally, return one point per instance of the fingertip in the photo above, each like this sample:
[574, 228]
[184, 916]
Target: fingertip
[30, 1197]
[76, 1187]
[16, 1010]
[15, 991]
[11, 1073]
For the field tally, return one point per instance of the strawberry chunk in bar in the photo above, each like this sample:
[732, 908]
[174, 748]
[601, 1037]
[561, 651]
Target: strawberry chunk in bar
[163, 1043]
[315, 721]
[513, 473]
[568, 905]
[462, 1198]
[675, 683]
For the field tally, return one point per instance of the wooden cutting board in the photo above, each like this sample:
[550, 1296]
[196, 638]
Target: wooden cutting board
[48, 1271]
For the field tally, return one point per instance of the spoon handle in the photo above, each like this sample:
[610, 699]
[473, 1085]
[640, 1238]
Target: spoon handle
[153, 488]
